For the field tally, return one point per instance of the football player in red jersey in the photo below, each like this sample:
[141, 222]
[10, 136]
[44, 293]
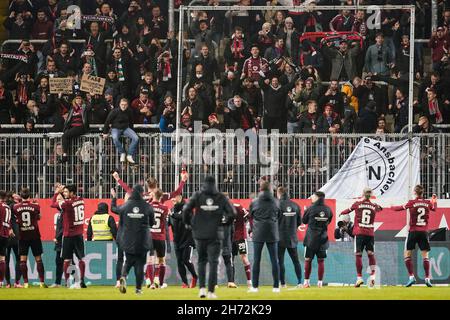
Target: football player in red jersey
[152, 185]
[5, 233]
[239, 245]
[365, 211]
[28, 214]
[418, 212]
[72, 207]
[155, 272]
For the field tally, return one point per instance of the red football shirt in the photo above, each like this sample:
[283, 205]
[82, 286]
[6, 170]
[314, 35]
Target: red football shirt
[365, 212]
[161, 212]
[73, 211]
[5, 220]
[418, 211]
[27, 216]
[240, 231]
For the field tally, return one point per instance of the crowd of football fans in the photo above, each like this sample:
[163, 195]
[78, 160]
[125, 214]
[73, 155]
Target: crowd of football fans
[241, 69]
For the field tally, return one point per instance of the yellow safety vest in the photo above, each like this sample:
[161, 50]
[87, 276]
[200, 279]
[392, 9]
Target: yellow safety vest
[100, 228]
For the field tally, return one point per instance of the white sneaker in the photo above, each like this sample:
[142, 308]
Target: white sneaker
[130, 159]
[202, 293]
[276, 290]
[284, 286]
[164, 285]
[123, 157]
[211, 295]
[117, 284]
[148, 283]
[253, 290]
[319, 284]
[55, 285]
[76, 285]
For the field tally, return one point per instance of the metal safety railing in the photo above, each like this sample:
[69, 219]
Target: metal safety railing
[302, 163]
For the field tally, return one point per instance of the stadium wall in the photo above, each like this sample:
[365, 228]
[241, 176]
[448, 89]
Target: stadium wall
[389, 225]
[339, 266]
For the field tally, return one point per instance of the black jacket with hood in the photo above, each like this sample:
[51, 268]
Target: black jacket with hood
[317, 217]
[136, 218]
[182, 236]
[289, 221]
[212, 211]
[266, 213]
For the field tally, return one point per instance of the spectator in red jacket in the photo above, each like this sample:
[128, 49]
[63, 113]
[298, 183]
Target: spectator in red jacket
[439, 42]
[342, 22]
[143, 108]
[329, 121]
[42, 28]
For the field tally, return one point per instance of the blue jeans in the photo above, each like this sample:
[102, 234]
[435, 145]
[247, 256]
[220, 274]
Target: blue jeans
[293, 127]
[272, 247]
[129, 133]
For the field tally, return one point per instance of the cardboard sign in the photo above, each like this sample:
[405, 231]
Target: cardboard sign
[92, 84]
[61, 85]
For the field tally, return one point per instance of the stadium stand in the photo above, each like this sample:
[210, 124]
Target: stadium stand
[313, 72]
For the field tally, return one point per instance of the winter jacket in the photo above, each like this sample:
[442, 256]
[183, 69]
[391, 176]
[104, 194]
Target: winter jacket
[212, 210]
[317, 217]
[119, 119]
[136, 219]
[290, 220]
[182, 235]
[341, 61]
[265, 213]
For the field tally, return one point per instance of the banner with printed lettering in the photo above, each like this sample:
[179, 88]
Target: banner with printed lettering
[380, 165]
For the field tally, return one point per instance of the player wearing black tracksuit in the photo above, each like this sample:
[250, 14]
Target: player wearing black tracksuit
[13, 248]
[136, 218]
[265, 213]
[317, 217]
[183, 241]
[227, 253]
[288, 223]
[212, 211]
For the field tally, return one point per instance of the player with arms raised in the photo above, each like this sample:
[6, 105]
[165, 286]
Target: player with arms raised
[239, 245]
[152, 185]
[418, 211]
[365, 211]
[72, 208]
[28, 214]
[155, 275]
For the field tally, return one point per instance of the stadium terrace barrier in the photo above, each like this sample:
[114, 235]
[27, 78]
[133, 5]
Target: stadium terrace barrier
[303, 163]
[339, 266]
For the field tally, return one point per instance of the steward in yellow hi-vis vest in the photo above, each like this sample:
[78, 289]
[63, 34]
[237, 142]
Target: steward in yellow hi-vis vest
[102, 226]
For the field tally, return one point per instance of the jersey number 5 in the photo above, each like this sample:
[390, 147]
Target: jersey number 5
[157, 226]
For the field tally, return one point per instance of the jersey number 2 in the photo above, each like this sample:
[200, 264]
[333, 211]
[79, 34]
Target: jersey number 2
[420, 221]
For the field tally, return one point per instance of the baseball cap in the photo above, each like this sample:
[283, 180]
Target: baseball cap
[144, 91]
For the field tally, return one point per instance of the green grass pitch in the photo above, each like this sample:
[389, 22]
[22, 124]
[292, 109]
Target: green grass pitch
[265, 293]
